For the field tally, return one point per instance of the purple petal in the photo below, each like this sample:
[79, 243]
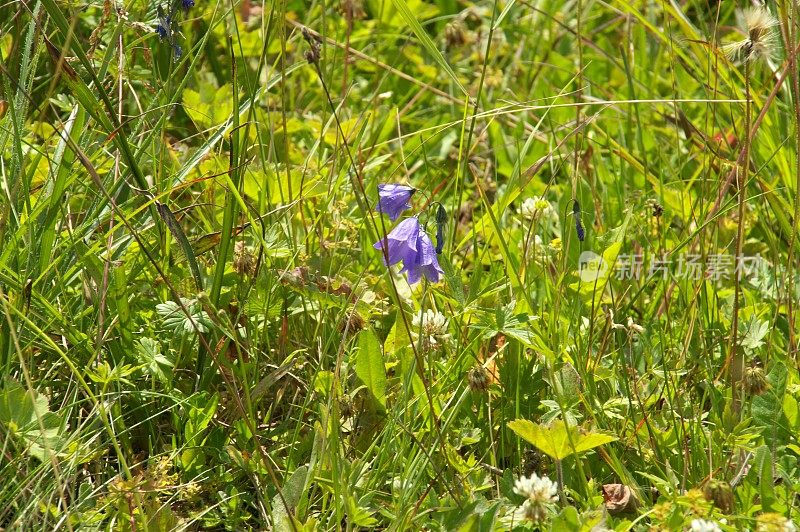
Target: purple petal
[401, 242]
[393, 199]
[426, 263]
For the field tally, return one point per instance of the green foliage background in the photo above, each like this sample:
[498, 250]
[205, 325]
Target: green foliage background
[196, 332]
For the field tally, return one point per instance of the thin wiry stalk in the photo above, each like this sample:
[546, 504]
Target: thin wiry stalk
[735, 356]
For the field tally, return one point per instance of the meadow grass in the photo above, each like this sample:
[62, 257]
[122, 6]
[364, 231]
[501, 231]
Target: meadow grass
[196, 332]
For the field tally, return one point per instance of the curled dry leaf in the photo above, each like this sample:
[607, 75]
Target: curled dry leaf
[618, 498]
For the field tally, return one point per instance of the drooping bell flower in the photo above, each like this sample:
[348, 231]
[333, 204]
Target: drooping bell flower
[393, 199]
[426, 263]
[401, 244]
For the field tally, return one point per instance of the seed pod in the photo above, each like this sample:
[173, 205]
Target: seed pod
[441, 219]
[576, 212]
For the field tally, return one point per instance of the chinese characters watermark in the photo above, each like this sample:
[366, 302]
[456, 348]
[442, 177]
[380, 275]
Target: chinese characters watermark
[715, 267]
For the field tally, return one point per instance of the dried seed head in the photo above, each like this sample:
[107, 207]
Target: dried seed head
[312, 54]
[455, 33]
[656, 207]
[352, 9]
[244, 261]
[759, 26]
[478, 379]
[352, 323]
[720, 493]
[755, 381]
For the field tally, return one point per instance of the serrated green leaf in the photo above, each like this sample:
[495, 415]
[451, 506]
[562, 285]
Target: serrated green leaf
[767, 408]
[557, 441]
[26, 414]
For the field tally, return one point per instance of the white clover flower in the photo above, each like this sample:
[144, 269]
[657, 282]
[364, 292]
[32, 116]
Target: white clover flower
[433, 327]
[534, 207]
[701, 525]
[539, 492]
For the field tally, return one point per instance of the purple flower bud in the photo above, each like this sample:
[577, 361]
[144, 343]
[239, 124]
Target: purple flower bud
[188, 4]
[426, 263]
[394, 199]
[162, 32]
[401, 244]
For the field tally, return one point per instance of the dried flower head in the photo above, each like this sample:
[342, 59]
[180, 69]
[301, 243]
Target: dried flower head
[478, 379]
[312, 55]
[634, 328]
[244, 261]
[455, 33]
[720, 493]
[352, 323]
[755, 381]
[656, 208]
[352, 9]
[759, 26]
[346, 408]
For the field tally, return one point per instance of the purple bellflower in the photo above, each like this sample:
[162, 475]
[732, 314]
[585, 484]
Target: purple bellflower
[188, 4]
[401, 244]
[426, 263]
[393, 199]
[408, 243]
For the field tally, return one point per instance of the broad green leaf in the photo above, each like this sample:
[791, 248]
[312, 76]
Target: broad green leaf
[201, 408]
[767, 408]
[791, 411]
[369, 366]
[556, 441]
[764, 465]
[359, 515]
[292, 491]
[148, 353]
[208, 107]
[26, 414]
[399, 337]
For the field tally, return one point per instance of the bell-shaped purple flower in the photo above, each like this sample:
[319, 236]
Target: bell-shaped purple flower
[188, 4]
[401, 244]
[393, 199]
[426, 263]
